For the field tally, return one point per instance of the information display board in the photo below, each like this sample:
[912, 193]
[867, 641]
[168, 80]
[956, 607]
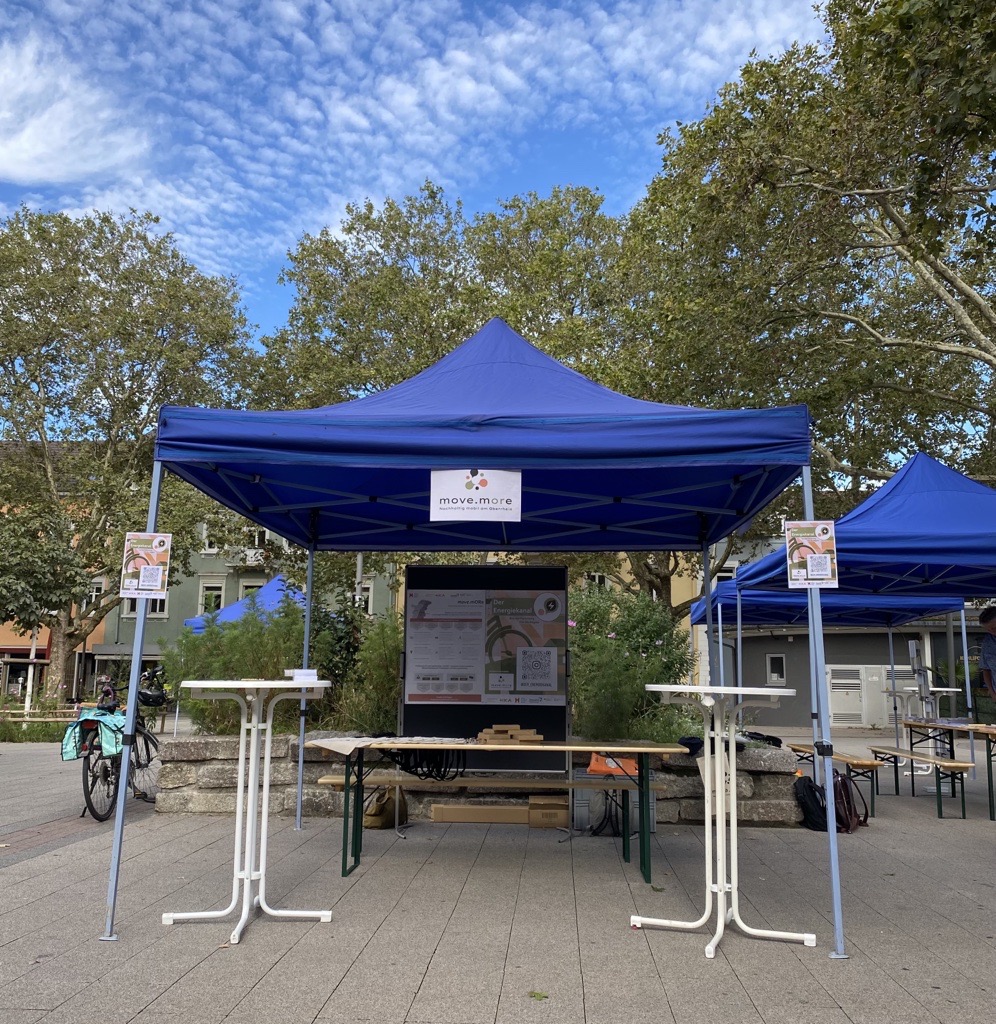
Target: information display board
[485, 645]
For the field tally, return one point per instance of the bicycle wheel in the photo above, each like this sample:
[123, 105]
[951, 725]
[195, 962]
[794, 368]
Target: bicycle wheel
[100, 779]
[145, 765]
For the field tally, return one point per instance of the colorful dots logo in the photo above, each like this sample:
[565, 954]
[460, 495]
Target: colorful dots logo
[475, 481]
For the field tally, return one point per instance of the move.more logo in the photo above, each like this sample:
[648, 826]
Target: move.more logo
[475, 494]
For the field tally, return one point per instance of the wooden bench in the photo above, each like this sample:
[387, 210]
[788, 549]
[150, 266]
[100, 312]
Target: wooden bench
[856, 767]
[414, 783]
[465, 783]
[944, 768]
[62, 717]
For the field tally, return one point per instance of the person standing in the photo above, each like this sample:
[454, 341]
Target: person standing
[987, 657]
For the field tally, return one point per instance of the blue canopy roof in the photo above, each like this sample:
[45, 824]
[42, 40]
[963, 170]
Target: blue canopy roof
[791, 608]
[266, 599]
[928, 530]
[600, 470]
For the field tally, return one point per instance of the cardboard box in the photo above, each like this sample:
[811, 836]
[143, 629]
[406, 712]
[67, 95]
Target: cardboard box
[548, 812]
[511, 814]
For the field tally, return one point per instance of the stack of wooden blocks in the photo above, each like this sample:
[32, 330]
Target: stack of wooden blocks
[509, 734]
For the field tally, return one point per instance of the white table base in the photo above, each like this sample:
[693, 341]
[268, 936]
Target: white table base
[722, 884]
[250, 841]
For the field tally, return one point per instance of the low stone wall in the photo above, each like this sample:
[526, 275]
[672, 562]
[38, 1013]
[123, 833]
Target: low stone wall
[200, 774]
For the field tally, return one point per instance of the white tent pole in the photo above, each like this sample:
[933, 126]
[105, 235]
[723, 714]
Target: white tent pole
[142, 605]
[969, 707]
[309, 586]
[815, 689]
[358, 582]
[710, 633]
[719, 633]
[824, 747]
[892, 677]
[740, 639]
[31, 670]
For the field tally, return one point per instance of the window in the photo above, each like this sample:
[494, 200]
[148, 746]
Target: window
[212, 597]
[365, 600]
[157, 607]
[596, 579]
[247, 587]
[776, 669]
[255, 537]
[96, 589]
[210, 543]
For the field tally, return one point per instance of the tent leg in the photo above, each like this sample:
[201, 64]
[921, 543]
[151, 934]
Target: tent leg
[969, 707]
[892, 677]
[309, 583]
[824, 748]
[130, 719]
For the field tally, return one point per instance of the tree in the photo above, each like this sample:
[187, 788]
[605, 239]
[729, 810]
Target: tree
[39, 567]
[831, 246]
[102, 321]
[394, 289]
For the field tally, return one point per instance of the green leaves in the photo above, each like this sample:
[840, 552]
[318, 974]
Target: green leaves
[102, 321]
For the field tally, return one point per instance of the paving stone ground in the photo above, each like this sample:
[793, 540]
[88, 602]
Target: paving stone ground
[479, 924]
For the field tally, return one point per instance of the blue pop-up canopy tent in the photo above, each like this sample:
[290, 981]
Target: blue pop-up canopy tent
[927, 530]
[790, 607]
[600, 471]
[267, 598]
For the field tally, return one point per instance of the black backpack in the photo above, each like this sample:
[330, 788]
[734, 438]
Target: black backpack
[846, 797]
[813, 802]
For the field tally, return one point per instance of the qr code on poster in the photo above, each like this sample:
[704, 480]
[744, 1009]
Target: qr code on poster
[819, 567]
[537, 668]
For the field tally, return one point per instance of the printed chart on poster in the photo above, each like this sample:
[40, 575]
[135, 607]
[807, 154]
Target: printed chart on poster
[485, 647]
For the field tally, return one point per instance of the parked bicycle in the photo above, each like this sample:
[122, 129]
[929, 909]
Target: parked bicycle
[101, 751]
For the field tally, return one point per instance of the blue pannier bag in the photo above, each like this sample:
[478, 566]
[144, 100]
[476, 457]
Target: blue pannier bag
[111, 725]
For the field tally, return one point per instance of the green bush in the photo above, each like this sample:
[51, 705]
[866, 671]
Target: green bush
[619, 643]
[32, 732]
[368, 702]
[261, 645]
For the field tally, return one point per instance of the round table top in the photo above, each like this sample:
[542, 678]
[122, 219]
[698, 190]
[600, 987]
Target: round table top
[254, 684]
[723, 691]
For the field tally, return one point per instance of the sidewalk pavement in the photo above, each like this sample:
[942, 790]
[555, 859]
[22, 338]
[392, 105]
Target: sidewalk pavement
[479, 924]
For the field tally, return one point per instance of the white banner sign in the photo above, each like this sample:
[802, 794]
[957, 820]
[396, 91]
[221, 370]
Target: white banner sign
[475, 495]
[145, 567]
[811, 550]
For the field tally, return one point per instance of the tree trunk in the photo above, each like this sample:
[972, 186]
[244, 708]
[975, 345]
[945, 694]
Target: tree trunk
[59, 675]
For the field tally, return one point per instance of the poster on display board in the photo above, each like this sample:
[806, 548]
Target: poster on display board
[145, 565]
[811, 551]
[495, 642]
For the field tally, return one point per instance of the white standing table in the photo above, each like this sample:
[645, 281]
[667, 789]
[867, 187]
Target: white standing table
[249, 867]
[720, 706]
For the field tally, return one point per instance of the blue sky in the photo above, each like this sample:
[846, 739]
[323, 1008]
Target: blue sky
[244, 125]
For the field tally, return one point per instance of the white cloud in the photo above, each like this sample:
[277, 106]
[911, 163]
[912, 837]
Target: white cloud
[56, 125]
[244, 123]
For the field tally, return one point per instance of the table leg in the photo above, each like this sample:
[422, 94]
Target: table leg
[307, 915]
[636, 921]
[806, 938]
[643, 778]
[624, 796]
[249, 871]
[715, 734]
[347, 788]
[989, 777]
[358, 798]
[937, 790]
[240, 806]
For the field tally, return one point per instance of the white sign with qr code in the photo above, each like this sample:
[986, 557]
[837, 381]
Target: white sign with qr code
[818, 566]
[536, 668]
